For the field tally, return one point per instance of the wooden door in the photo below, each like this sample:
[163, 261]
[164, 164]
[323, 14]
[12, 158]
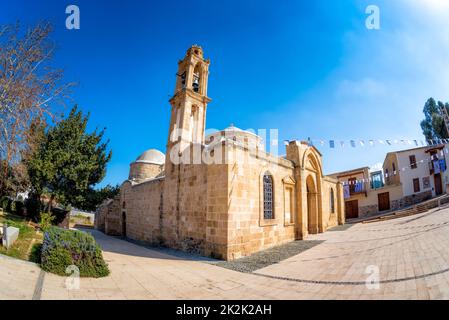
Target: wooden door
[438, 185]
[352, 209]
[384, 201]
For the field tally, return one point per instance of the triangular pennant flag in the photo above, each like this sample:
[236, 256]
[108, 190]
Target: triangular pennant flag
[353, 143]
[362, 143]
[332, 144]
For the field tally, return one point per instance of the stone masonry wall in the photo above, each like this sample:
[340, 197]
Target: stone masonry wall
[248, 232]
[143, 209]
[184, 208]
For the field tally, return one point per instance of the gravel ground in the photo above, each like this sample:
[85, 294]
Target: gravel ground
[342, 227]
[268, 257]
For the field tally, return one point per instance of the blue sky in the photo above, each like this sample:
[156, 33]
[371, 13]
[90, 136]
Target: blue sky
[306, 68]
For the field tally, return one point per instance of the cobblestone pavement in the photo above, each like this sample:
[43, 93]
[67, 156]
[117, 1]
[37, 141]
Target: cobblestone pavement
[410, 253]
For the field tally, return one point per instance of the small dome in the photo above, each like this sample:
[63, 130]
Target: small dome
[232, 130]
[244, 137]
[152, 156]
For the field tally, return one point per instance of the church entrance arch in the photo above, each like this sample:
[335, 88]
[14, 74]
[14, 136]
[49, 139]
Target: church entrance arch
[312, 206]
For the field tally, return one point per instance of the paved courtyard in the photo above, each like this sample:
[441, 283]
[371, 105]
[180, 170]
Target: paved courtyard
[410, 253]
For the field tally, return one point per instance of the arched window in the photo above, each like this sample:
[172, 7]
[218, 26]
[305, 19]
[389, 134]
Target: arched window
[268, 196]
[332, 201]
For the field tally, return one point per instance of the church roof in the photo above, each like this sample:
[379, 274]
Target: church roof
[152, 156]
[231, 129]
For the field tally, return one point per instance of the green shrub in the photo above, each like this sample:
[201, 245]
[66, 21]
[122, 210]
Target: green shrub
[6, 204]
[46, 221]
[35, 255]
[62, 248]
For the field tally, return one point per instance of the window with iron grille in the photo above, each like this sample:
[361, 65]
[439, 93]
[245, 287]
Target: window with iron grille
[268, 196]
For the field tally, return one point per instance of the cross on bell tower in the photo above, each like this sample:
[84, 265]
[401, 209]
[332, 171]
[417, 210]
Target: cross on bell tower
[189, 102]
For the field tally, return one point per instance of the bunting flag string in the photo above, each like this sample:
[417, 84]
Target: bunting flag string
[354, 143]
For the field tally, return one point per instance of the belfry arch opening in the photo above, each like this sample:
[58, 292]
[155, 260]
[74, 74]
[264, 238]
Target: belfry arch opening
[196, 81]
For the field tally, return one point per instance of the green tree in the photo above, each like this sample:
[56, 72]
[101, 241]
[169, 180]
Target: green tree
[68, 161]
[94, 197]
[433, 125]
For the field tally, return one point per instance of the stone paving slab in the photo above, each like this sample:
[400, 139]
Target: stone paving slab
[411, 254]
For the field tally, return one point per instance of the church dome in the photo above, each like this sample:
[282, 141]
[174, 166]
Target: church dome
[151, 156]
[243, 137]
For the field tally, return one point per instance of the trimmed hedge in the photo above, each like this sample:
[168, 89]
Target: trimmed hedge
[62, 248]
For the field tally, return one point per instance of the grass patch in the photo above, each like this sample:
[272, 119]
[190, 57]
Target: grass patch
[28, 237]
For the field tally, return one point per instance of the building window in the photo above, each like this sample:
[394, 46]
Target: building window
[268, 196]
[426, 182]
[332, 202]
[416, 187]
[413, 164]
[376, 180]
[394, 168]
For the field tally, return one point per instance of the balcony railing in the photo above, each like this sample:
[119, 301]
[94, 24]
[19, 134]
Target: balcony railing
[357, 188]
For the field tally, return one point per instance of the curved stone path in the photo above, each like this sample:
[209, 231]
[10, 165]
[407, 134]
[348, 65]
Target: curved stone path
[410, 253]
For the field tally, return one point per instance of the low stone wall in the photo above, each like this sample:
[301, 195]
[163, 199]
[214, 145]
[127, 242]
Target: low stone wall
[371, 210]
[414, 199]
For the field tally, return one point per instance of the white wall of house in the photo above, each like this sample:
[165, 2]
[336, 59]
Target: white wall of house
[446, 173]
[420, 172]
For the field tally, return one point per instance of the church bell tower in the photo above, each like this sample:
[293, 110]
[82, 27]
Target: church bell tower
[189, 102]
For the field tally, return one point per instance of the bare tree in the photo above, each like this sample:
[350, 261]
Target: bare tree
[29, 88]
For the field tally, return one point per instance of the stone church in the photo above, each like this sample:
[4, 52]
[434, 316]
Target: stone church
[221, 195]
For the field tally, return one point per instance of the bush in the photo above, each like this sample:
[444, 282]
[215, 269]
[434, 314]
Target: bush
[62, 248]
[46, 221]
[4, 202]
[35, 255]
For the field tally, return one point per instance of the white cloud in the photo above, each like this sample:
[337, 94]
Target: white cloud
[434, 7]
